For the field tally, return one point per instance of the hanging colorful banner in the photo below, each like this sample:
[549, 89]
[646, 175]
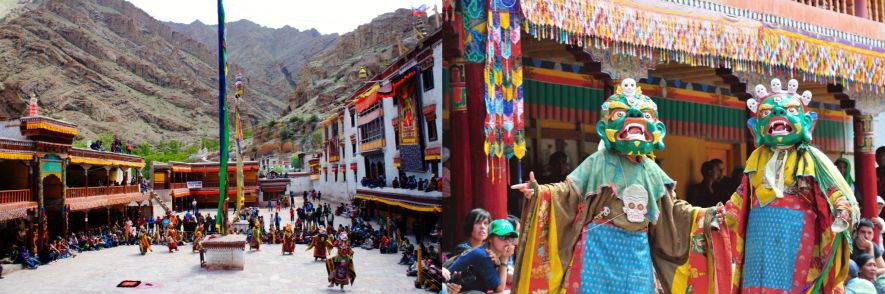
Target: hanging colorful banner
[408, 99]
[504, 126]
[669, 32]
[241, 200]
[406, 96]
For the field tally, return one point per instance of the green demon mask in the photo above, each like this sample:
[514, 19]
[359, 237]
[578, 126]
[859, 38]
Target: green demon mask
[781, 118]
[630, 124]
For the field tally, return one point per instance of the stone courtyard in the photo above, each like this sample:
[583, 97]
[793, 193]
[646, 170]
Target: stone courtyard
[266, 271]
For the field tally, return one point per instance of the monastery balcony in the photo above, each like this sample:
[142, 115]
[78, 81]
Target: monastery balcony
[16, 204]
[85, 198]
[100, 191]
[13, 196]
[372, 145]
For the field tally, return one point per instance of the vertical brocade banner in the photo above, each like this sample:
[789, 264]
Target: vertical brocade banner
[238, 82]
[504, 125]
[409, 104]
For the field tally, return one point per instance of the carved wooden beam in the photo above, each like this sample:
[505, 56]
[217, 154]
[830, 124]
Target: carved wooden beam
[845, 102]
[737, 88]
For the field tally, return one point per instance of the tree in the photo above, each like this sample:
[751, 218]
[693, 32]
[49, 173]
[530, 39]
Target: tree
[279, 169]
[296, 161]
[285, 134]
[316, 139]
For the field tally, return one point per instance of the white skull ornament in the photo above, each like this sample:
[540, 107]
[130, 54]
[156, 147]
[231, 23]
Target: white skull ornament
[629, 87]
[776, 86]
[792, 86]
[635, 200]
[806, 97]
[752, 105]
[761, 92]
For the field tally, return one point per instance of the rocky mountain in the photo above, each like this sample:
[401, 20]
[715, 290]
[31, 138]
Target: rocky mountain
[106, 65]
[271, 55]
[330, 77]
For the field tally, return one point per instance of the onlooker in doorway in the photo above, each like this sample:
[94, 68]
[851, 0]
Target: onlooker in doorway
[730, 184]
[708, 193]
[844, 167]
[557, 168]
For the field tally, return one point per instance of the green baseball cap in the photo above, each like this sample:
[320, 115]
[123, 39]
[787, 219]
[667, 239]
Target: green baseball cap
[502, 227]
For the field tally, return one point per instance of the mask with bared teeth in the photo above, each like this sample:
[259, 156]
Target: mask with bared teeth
[629, 123]
[781, 119]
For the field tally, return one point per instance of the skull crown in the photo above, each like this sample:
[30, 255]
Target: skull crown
[629, 88]
[761, 93]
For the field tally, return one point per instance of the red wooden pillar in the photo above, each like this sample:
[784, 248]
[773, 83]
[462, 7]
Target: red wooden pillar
[488, 193]
[865, 164]
[461, 183]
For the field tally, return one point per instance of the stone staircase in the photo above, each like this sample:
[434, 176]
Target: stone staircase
[156, 198]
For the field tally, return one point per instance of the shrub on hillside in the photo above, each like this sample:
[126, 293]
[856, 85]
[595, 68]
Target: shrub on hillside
[286, 148]
[266, 149]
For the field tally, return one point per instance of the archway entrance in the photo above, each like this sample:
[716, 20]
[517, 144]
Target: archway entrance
[53, 200]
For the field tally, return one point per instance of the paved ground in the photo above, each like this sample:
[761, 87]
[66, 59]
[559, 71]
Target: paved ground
[266, 271]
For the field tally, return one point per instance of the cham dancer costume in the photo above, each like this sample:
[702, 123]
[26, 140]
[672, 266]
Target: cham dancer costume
[340, 267]
[615, 223]
[288, 240]
[789, 217]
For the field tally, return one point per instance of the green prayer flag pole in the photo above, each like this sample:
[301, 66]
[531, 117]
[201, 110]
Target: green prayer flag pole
[220, 220]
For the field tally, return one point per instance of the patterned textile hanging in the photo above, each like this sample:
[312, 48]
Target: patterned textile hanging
[474, 19]
[504, 126]
[238, 82]
[669, 32]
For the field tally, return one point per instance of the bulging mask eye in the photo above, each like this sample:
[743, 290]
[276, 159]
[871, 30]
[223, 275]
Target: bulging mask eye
[648, 115]
[618, 114]
[765, 113]
[793, 110]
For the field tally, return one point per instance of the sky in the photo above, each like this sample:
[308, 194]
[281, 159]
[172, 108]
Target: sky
[326, 16]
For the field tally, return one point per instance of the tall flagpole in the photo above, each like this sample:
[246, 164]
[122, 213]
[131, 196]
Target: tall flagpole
[220, 221]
